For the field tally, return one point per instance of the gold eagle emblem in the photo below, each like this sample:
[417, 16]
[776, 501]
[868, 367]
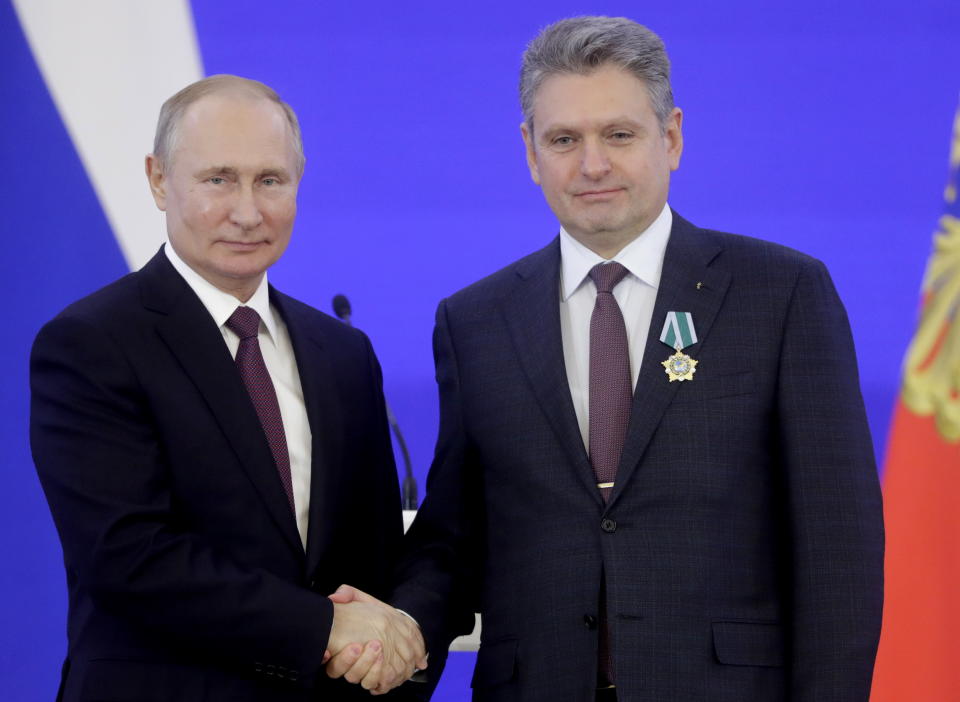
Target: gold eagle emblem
[931, 383]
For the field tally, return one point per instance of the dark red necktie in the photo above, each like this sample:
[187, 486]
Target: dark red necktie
[610, 383]
[245, 323]
[611, 397]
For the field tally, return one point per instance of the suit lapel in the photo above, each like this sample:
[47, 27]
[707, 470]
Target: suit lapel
[532, 313]
[187, 329]
[326, 423]
[686, 263]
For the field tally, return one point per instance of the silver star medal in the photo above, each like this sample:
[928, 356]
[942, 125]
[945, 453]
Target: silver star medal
[679, 333]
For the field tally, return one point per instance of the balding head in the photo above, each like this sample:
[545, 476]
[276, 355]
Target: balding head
[173, 110]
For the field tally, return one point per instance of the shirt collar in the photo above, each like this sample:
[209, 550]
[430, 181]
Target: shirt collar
[221, 304]
[643, 256]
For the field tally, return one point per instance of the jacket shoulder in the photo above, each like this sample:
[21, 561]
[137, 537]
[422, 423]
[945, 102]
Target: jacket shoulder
[303, 316]
[740, 246]
[110, 305]
[492, 287]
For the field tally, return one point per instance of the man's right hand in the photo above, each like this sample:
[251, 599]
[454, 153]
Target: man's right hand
[372, 643]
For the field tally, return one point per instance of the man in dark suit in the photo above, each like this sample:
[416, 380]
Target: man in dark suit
[654, 477]
[212, 449]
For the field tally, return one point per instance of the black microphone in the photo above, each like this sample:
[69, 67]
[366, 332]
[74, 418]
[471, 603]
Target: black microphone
[341, 308]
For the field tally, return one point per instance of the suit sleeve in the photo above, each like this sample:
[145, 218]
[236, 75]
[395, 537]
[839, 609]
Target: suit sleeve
[442, 550]
[834, 502]
[104, 474]
[383, 536]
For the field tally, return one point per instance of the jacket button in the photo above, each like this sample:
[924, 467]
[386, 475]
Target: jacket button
[590, 621]
[608, 525]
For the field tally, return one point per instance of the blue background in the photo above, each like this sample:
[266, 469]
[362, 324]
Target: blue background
[822, 125]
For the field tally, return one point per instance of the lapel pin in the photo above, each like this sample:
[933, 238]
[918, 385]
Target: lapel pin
[699, 284]
[678, 333]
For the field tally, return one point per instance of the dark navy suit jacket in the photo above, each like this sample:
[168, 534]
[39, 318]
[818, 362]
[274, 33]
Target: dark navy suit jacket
[186, 575]
[742, 545]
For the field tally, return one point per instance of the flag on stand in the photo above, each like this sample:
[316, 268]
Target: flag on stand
[919, 656]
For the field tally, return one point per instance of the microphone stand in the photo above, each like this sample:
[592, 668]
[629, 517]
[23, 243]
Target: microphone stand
[408, 491]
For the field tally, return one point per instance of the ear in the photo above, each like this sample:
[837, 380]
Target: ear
[531, 152]
[673, 136]
[157, 180]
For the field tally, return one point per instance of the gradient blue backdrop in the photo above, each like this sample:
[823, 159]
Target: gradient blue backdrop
[823, 125]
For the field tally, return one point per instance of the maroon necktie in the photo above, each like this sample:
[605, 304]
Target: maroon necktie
[610, 383]
[610, 401]
[245, 322]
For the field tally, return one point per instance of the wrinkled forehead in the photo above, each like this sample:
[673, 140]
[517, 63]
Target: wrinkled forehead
[235, 128]
[600, 95]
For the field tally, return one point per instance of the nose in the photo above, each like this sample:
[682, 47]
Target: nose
[245, 212]
[594, 164]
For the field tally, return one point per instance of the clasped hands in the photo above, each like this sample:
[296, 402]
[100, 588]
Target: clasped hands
[371, 643]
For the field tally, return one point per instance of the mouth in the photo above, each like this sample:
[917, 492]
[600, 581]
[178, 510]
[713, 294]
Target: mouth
[598, 195]
[242, 246]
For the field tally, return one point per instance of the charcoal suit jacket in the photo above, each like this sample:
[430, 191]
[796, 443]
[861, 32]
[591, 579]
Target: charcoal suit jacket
[742, 544]
[186, 575]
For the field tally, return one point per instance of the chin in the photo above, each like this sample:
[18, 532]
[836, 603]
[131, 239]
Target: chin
[246, 271]
[602, 228]
[250, 273]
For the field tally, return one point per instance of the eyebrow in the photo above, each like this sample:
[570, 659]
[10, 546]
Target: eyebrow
[279, 172]
[616, 122]
[231, 171]
[216, 170]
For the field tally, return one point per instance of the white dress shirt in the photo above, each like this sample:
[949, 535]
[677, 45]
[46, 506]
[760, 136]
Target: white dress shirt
[636, 295]
[281, 364]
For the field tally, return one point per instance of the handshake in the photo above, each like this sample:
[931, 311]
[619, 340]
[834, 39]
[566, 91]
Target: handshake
[371, 643]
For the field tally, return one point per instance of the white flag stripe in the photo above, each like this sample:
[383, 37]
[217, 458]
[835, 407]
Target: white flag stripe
[693, 332]
[109, 65]
[668, 323]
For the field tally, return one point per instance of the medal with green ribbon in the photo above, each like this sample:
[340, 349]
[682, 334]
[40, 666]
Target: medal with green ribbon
[678, 333]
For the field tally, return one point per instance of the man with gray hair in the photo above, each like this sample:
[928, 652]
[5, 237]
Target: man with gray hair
[654, 477]
[210, 447]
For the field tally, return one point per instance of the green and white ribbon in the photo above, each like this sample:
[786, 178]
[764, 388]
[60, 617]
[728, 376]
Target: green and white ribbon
[678, 331]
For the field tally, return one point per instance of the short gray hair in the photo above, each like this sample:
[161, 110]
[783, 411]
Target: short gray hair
[174, 108]
[581, 45]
